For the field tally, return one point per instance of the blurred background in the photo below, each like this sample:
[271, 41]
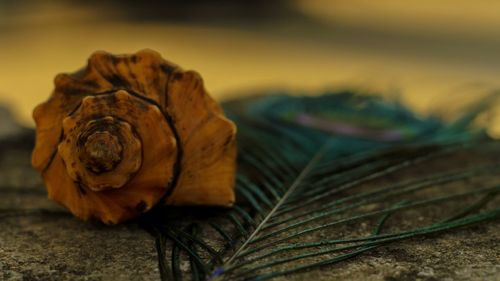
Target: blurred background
[432, 55]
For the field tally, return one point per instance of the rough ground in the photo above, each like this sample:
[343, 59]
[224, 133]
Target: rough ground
[41, 241]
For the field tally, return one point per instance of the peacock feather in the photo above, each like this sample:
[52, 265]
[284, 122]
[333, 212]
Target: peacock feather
[324, 179]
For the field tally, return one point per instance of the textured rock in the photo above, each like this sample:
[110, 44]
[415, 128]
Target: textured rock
[40, 240]
[467, 254]
[58, 247]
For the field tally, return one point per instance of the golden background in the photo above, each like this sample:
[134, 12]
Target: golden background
[432, 55]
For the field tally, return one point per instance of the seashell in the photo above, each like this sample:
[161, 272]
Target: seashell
[129, 132]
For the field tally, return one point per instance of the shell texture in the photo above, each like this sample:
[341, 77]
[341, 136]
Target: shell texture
[129, 132]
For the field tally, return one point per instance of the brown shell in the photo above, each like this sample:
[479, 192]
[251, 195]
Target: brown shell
[131, 131]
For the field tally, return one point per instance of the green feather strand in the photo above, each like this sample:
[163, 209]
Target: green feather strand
[301, 162]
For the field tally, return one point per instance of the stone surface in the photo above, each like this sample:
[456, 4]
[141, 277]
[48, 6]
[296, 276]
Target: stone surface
[58, 247]
[467, 254]
[40, 240]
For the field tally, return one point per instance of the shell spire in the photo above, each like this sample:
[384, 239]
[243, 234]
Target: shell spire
[129, 132]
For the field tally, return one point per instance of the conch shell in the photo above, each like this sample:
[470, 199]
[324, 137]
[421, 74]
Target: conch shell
[129, 132]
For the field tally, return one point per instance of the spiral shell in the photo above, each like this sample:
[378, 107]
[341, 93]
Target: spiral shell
[129, 132]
